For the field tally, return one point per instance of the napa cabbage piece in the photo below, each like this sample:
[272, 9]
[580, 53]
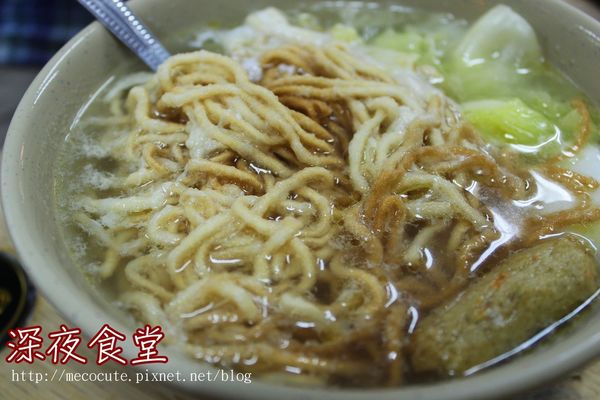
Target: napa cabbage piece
[429, 41]
[307, 21]
[503, 36]
[496, 55]
[345, 33]
[404, 42]
[527, 129]
[510, 121]
[391, 60]
[497, 71]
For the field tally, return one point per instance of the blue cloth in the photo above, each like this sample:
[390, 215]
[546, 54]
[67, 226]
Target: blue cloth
[31, 31]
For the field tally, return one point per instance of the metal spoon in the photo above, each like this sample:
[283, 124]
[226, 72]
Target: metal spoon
[127, 27]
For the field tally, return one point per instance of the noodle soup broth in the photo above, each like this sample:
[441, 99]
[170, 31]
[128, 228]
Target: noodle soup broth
[310, 193]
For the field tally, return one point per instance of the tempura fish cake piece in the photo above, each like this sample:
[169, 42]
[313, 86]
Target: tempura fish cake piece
[526, 292]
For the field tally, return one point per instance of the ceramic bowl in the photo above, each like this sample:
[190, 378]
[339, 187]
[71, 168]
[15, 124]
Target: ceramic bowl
[571, 41]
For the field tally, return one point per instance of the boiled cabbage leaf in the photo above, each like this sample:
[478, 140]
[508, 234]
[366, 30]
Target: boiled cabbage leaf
[500, 35]
[345, 33]
[512, 121]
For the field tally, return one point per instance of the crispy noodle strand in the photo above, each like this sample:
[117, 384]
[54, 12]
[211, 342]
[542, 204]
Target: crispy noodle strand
[292, 222]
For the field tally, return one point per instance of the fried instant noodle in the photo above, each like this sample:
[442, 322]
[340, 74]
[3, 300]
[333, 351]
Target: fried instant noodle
[301, 222]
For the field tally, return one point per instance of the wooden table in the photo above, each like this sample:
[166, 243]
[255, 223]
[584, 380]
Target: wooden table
[582, 385]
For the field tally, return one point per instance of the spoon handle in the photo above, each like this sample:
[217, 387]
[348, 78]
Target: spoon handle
[125, 25]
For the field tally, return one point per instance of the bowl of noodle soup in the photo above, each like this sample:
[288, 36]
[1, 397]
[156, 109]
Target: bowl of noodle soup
[323, 197]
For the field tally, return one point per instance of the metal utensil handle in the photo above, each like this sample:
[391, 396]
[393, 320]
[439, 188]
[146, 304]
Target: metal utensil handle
[126, 26]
